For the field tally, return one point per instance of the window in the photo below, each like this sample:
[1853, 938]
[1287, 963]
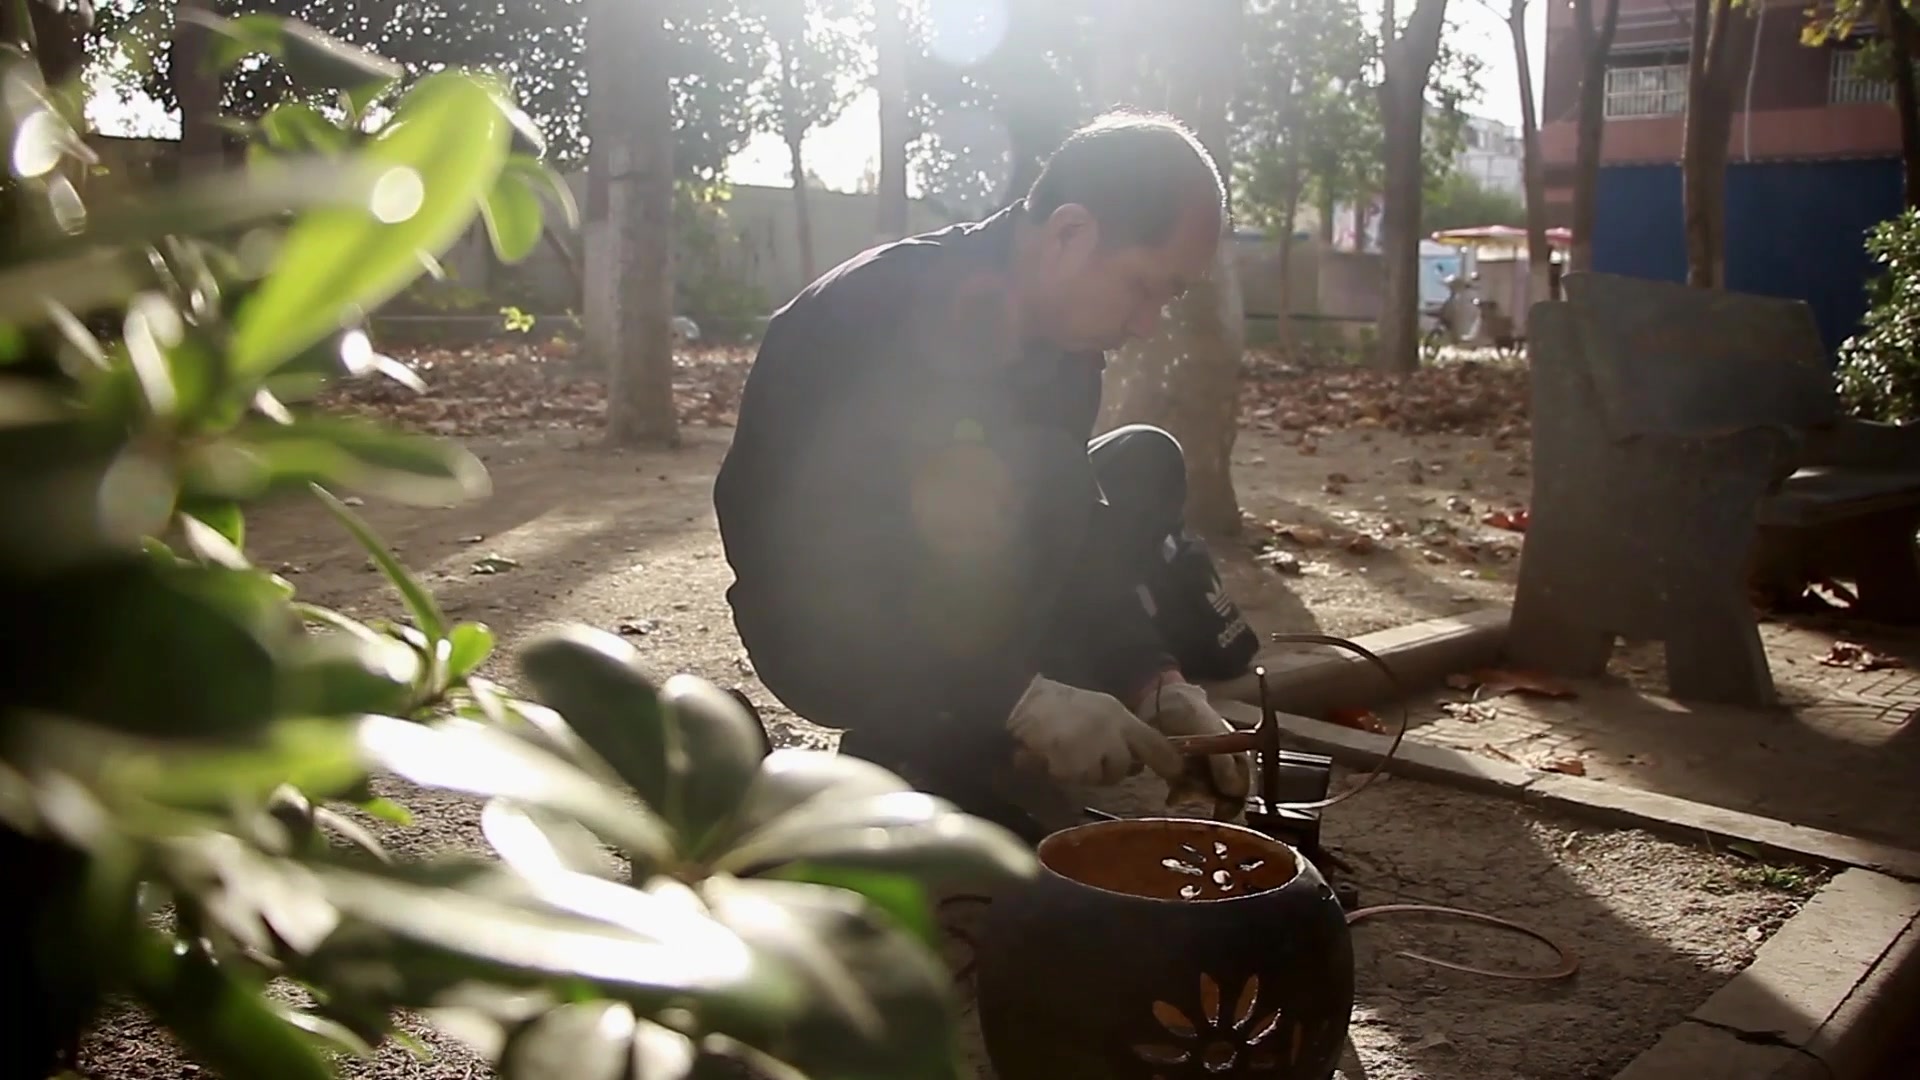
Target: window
[1646, 90]
[1851, 82]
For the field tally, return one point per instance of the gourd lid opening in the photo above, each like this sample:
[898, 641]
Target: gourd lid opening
[1175, 859]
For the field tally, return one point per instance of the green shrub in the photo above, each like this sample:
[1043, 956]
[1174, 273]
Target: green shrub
[179, 734]
[710, 282]
[1879, 368]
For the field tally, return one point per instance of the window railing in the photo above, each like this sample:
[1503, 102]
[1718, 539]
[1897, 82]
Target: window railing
[1650, 90]
[1849, 82]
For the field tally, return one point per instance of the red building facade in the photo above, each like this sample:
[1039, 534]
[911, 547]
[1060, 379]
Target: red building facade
[1792, 102]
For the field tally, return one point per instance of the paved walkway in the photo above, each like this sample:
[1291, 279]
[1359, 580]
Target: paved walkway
[1842, 753]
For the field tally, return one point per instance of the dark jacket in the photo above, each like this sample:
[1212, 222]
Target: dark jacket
[907, 498]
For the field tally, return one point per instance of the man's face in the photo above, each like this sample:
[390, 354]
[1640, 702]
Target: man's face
[1101, 295]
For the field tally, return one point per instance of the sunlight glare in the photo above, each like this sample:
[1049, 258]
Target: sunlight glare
[981, 139]
[397, 195]
[965, 32]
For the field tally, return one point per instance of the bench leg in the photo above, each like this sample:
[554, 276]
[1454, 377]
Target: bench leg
[1714, 654]
[1556, 642]
[1886, 568]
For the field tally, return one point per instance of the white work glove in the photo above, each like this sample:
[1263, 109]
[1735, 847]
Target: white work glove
[1088, 738]
[1181, 708]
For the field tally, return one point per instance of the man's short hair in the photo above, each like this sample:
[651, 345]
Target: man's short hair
[1135, 172]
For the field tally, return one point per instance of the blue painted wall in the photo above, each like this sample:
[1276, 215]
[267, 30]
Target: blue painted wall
[1794, 229]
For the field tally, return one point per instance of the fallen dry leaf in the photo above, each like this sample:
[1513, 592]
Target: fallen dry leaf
[1357, 719]
[1470, 712]
[1857, 657]
[1510, 520]
[1502, 681]
[520, 384]
[1571, 766]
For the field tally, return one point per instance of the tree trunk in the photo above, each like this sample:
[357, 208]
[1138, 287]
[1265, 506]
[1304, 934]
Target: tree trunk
[1329, 206]
[1409, 63]
[890, 83]
[1595, 43]
[1703, 163]
[196, 89]
[633, 149]
[1186, 378]
[1898, 26]
[802, 219]
[1533, 178]
[1283, 295]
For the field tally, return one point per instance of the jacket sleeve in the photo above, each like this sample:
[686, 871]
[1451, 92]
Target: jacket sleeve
[1117, 645]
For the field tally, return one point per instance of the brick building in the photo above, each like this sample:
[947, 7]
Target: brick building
[1814, 152]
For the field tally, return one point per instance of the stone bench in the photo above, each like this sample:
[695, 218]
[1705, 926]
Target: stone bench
[1687, 444]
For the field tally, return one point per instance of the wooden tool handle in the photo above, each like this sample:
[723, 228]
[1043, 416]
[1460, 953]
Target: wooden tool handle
[1236, 742]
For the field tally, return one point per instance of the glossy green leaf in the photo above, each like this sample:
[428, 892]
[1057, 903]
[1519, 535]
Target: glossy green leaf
[791, 780]
[717, 753]
[119, 228]
[881, 1005]
[722, 1058]
[595, 682]
[211, 545]
[540, 178]
[316, 756]
[631, 945]
[316, 60]
[542, 727]
[420, 603]
[295, 127]
[537, 842]
[329, 1035]
[513, 216]
[441, 155]
[236, 39]
[472, 643]
[117, 637]
[690, 752]
[467, 757]
[591, 1041]
[222, 1022]
[345, 675]
[904, 833]
[320, 61]
[416, 469]
[902, 898]
[344, 827]
[255, 897]
[225, 518]
[387, 810]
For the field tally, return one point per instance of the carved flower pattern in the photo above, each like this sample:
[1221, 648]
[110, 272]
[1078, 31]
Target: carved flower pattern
[1214, 869]
[1246, 1041]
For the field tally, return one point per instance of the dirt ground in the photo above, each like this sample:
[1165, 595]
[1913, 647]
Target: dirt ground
[1365, 509]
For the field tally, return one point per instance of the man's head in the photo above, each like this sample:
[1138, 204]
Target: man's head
[1125, 216]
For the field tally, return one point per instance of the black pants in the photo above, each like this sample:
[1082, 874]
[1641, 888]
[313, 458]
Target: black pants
[1142, 474]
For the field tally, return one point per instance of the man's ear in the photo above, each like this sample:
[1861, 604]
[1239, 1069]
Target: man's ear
[1072, 228]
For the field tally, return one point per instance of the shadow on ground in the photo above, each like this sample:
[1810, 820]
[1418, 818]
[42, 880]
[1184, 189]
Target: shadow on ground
[1840, 753]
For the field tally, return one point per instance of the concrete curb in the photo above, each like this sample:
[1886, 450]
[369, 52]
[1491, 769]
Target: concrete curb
[1420, 654]
[1583, 797]
[1827, 997]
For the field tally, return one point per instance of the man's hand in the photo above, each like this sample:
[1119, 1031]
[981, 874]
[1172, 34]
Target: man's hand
[1178, 707]
[1089, 738]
